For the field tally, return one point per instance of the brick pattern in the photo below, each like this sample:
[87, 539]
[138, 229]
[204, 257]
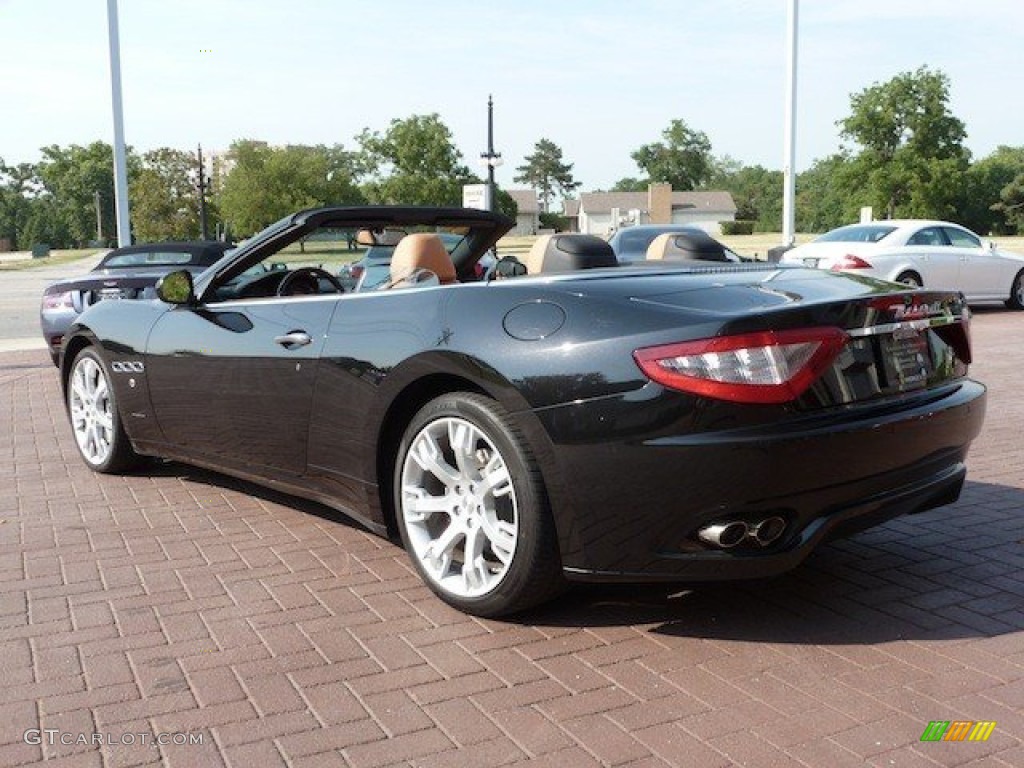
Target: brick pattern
[182, 600]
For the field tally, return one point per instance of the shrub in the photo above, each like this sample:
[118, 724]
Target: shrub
[738, 227]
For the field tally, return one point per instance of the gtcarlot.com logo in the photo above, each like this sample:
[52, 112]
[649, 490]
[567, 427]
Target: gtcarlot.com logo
[958, 730]
[52, 737]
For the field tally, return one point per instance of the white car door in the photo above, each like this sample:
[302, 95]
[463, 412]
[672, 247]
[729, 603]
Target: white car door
[936, 261]
[981, 269]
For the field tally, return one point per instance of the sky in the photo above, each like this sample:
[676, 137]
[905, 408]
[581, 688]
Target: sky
[598, 78]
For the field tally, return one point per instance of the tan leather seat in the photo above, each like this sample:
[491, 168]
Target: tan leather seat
[568, 252]
[685, 246]
[534, 260]
[421, 251]
[659, 247]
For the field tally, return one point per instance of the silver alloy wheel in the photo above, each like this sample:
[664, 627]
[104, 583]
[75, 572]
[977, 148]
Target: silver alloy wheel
[459, 507]
[91, 413]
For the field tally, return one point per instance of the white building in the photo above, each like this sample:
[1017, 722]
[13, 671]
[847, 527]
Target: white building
[593, 213]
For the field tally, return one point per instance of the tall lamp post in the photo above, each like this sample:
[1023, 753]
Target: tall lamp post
[490, 158]
[203, 226]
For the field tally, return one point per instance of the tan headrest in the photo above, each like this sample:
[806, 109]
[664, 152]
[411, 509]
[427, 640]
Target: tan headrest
[422, 250]
[365, 237]
[534, 260]
[659, 247]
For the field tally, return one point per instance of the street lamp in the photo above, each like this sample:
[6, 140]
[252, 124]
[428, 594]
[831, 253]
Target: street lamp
[490, 158]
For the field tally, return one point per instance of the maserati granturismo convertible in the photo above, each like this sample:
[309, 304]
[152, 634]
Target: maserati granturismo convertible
[564, 418]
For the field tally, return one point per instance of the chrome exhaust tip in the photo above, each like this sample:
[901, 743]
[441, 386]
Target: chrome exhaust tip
[768, 530]
[724, 535]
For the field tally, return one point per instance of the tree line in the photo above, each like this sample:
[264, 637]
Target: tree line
[902, 153]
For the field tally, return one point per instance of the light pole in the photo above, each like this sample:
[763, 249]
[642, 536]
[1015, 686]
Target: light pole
[203, 227]
[789, 163]
[490, 158]
[124, 232]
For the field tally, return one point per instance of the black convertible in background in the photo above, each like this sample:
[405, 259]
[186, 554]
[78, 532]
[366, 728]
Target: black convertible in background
[123, 273]
[679, 421]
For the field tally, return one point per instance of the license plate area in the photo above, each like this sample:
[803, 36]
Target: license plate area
[811, 262]
[107, 294]
[907, 362]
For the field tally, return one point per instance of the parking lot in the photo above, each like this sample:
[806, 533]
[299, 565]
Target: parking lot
[184, 606]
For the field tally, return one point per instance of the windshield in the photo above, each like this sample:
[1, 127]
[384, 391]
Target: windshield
[857, 233]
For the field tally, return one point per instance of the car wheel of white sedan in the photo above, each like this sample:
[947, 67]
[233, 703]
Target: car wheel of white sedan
[95, 421]
[1016, 300]
[910, 278]
[471, 508]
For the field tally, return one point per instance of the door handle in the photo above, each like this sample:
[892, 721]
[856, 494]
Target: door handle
[294, 339]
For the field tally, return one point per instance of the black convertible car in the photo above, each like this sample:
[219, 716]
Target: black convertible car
[124, 273]
[683, 421]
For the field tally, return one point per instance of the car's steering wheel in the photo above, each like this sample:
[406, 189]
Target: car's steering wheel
[292, 284]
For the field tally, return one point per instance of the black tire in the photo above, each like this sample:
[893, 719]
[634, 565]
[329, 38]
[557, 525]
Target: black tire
[110, 452]
[507, 581]
[1016, 300]
[911, 279]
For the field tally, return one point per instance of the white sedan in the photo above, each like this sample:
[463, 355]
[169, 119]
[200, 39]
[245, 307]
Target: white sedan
[929, 254]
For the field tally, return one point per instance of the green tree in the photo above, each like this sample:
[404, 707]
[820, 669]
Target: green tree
[547, 172]
[982, 208]
[414, 162]
[17, 190]
[826, 197]
[1011, 203]
[683, 159]
[73, 175]
[756, 191]
[911, 159]
[165, 197]
[266, 183]
[630, 184]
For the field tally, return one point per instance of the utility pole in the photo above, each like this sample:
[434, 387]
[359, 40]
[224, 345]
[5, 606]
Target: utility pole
[788, 166]
[203, 228]
[491, 158]
[99, 216]
[124, 230]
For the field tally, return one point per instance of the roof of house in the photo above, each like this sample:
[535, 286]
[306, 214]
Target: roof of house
[570, 207]
[526, 199]
[717, 201]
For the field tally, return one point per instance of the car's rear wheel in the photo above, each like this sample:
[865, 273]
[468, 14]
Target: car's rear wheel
[1016, 300]
[95, 421]
[911, 279]
[472, 510]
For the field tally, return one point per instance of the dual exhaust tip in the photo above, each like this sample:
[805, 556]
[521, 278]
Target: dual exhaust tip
[727, 535]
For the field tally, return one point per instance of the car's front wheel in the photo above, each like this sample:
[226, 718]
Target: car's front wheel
[95, 420]
[472, 510]
[1016, 300]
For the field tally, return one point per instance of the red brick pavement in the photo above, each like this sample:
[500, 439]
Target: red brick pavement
[184, 601]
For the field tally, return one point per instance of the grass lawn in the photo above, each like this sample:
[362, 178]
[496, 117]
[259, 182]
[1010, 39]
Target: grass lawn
[55, 258]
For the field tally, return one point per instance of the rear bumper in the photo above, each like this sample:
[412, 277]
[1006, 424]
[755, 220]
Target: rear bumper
[629, 509]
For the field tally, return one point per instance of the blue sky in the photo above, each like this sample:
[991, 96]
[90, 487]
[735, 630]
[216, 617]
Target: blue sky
[598, 78]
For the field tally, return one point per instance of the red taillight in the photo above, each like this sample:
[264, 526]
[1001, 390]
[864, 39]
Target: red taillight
[57, 301]
[849, 261]
[763, 367]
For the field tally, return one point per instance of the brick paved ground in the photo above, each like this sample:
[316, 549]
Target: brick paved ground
[186, 601]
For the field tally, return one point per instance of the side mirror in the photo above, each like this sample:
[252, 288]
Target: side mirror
[176, 288]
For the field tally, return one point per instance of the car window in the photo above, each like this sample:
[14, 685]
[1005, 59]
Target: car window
[961, 238]
[857, 233]
[149, 259]
[928, 236]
